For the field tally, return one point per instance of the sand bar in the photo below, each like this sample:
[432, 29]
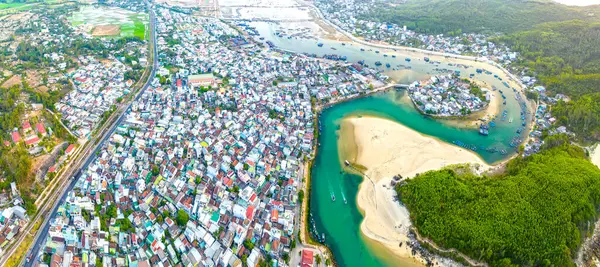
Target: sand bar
[387, 148]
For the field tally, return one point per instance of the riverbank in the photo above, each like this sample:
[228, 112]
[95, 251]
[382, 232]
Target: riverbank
[386, 149]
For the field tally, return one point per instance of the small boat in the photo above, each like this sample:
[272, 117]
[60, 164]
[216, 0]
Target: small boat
[393, 56]
[483, 130]
[407, 59]
[362, 49]
[332, 198]
[320, 44]
[387, 65]
[377, 63]
[426, 59]
[347, 162]
[376, 52]
[333, 48]
[385, 55]
[510, 120]
[343, 43]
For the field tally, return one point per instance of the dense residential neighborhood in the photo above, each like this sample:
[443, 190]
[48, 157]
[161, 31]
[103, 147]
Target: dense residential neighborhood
[206, 167]
[447, 95]
[204, 161]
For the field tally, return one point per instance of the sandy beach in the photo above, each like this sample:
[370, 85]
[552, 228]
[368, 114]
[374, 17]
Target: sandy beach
[387, 148]
[595, 156]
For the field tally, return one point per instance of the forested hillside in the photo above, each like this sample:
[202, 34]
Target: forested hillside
[534, 214]
[565, 55]
[475, 16]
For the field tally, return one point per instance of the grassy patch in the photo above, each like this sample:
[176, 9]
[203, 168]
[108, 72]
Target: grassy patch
[10, 5]
[134, 28]
[17, 257]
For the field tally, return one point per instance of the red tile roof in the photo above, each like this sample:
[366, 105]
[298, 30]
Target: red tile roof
[70, 149]
[274, 215]
[307, 258]
[40, 128]
[26, 125]
[16, 137]
[32, 140]
[250, 212]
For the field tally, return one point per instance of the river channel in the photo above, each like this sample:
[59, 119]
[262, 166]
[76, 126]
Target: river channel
[340, 223]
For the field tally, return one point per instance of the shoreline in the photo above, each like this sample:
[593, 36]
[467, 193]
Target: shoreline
[380, 233]
[386, 221]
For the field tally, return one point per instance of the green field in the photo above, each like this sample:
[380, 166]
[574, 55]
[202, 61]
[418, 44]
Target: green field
[138, 28]
[10, 5]
[130, 23]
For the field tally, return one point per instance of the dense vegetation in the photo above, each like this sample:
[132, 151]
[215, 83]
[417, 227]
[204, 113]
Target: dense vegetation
[533, 214]
[582, 116]
[474, 16]
[565, 55]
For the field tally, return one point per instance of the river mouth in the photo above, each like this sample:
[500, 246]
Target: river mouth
[334, 188]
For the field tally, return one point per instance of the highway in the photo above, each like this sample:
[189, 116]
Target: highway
[41, 236]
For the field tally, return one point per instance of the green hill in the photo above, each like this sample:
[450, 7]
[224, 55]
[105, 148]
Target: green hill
[534, 214]
[506, 16]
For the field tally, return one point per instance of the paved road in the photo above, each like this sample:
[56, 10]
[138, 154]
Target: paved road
[40, 238]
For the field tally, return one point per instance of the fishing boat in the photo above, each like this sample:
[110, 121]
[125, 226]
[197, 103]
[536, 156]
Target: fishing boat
[483, 130]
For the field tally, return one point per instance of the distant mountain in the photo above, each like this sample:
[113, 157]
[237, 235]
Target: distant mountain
[479, 16]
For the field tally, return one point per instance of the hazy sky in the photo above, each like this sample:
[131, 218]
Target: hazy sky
[579, 2]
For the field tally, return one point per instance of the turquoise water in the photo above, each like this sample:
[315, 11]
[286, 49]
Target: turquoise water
[340, 222]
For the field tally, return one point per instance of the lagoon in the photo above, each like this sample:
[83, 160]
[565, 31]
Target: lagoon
[340, 222]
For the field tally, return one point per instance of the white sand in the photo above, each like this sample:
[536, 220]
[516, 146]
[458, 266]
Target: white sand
[595, 156]
[387, 148]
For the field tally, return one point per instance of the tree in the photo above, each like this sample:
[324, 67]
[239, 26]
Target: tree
[300, 196]
[318, 259]
[248, 244]
[182, 218]
[155, 170]
[471, 213]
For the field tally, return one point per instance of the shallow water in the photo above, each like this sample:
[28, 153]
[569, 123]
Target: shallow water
[340, 222]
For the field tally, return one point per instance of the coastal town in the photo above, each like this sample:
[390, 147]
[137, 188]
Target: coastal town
[208, 165]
